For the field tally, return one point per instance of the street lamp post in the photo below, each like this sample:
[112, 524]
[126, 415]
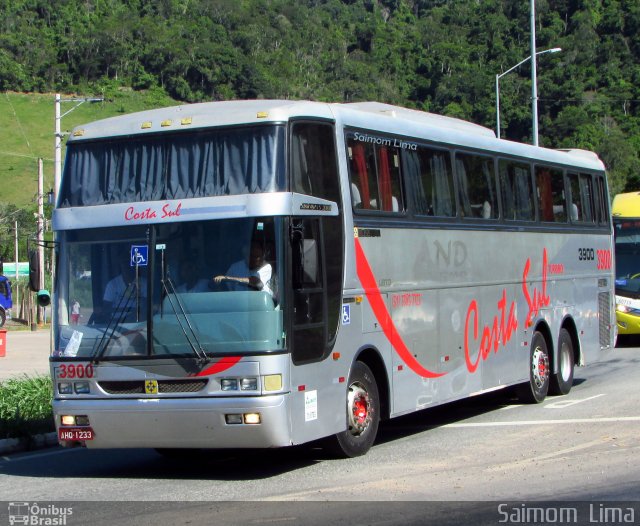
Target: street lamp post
[535, 113]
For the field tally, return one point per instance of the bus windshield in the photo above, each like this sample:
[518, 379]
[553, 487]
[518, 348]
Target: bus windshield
[183, 289]
[627, 247]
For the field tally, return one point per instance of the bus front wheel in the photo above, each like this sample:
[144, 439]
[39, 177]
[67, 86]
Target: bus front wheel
[535, 390]
[562, 380]
[363, 414]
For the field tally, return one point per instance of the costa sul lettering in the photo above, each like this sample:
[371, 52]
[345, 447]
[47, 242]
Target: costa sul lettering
[536, 298]
[499, 333]
[138, 214]
[496, 334]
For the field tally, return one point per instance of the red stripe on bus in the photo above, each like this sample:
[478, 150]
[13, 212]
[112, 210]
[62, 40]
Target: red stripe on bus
[220, 366]
[370, 284]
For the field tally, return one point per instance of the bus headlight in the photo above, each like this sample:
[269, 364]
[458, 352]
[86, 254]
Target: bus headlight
[622, 308]
[65, 388]
[81, 387]
[249, 384]
[229, 384]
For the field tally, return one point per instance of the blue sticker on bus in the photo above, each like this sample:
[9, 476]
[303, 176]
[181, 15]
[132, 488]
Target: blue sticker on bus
[346, 314]
[139, 255]
[621, 283]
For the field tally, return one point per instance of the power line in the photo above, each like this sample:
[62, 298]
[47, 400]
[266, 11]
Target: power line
[19, 123]
[13, 154]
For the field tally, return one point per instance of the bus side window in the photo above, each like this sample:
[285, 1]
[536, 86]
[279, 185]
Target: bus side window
[601, 197]
[575, 204]
[581, 197]
[375, 176]
[516, 190]
[586, 188]
[389, 179]
[550, 191]
[429, 172]
[476, 186]
[364, 187]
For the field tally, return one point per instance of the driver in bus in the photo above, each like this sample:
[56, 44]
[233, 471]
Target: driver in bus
[253, 272]
[120, 292]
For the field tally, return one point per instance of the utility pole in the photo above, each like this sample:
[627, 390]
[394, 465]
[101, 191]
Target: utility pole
[534, 80]
[17, 288]
[40, 233]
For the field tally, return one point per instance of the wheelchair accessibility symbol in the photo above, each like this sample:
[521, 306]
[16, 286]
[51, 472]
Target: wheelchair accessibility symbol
[139, 255]
[346, 314]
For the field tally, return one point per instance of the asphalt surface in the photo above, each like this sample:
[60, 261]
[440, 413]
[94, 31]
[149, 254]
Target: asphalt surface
[26, 353]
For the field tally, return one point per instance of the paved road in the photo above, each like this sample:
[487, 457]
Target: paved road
[581, 447]
[27, 353]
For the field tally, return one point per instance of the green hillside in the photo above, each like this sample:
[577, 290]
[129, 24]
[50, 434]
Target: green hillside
[27, 127]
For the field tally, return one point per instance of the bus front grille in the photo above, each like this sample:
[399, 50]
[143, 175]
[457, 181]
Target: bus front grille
[164, 386]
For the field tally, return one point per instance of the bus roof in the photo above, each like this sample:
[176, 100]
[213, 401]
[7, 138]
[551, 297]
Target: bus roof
[375, 116]
[626, 205]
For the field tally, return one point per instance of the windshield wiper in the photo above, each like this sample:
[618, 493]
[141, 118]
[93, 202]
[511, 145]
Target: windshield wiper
[197, 349]
[121, 309]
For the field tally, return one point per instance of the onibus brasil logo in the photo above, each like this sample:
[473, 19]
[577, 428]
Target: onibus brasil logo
[38, 514]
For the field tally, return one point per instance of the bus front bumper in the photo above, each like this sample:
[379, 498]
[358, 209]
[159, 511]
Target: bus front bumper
[179, 422]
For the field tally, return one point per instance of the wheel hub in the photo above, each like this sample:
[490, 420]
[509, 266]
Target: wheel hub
[359, 409]
[540, 368]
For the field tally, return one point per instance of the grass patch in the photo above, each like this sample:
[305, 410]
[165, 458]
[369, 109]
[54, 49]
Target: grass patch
[25, 407]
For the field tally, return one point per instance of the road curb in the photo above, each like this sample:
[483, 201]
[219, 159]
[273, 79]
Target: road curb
[17, 445]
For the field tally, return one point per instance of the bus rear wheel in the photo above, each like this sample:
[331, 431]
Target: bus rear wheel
[562, 380]
[535, 390]
[363, 414]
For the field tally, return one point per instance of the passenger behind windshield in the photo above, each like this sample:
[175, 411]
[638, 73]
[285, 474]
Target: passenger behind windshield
[252, 271]
[122, 292]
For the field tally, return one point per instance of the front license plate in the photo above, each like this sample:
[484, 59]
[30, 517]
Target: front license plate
[74, 433]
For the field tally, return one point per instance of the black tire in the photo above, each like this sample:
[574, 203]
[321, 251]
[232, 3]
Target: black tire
[363, 415]
[3, 317]
[535, 390]
[562, 380]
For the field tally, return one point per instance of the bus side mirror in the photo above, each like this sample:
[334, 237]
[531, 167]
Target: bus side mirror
[34, 270]
[44, 298]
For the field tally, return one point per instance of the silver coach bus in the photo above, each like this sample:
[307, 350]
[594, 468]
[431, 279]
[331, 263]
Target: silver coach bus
[268, 273]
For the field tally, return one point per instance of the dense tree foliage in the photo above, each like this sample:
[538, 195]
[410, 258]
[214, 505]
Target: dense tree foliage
[436, 55]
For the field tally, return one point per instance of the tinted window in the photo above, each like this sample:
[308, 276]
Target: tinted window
[582, 204]
[431, 179]
[602, 202]
[314, 171]
[551, 196]
[314, 167]
[374, 164]
[516, 190]
[476, 186]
